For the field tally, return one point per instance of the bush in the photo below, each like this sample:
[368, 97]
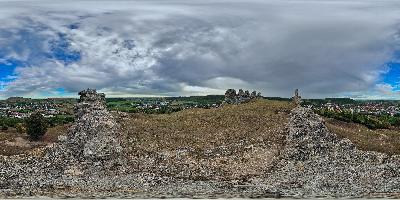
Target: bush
[36, 126]
[20, 128]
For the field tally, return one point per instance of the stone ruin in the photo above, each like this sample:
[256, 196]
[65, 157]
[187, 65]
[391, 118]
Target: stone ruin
[296, 98]
[90, 150]
[316, 162]
[231, 97]
[94, 134]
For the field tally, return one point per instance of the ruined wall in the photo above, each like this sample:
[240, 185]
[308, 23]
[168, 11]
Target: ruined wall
[315, 162]
[231, 97]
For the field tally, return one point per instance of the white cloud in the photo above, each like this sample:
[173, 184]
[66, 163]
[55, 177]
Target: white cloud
[179, 47]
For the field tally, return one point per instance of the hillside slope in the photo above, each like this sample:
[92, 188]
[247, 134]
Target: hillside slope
[232, 142]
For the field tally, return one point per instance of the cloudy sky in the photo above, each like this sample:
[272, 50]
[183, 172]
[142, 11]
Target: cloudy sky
[326, 48]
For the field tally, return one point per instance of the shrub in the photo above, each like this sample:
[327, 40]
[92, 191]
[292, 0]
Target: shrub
[36, 126]
[20, 128]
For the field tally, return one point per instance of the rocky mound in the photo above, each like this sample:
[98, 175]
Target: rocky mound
[90, 150]
[94, 136]
[315, 162]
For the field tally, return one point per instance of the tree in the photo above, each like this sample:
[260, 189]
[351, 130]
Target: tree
[36, 126]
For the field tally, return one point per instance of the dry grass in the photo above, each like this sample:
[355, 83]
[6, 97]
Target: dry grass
[381, 140]
[256, 122]
[235, 141]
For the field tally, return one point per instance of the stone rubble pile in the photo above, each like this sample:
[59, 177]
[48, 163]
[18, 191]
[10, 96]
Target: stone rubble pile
[231, 97]
[316, 162]
[90, 149]
[93, 137]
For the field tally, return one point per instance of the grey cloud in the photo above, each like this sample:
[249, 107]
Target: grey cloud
[322, 47]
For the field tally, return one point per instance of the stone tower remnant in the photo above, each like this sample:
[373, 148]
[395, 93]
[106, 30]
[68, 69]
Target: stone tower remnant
[94, 135]
[297, 98]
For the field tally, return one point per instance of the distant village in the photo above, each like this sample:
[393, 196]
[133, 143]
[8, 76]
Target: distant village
[18, 107]
[372, 107]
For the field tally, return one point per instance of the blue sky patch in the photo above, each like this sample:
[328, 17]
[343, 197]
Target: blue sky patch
[392, 77]
[60, 49]
[33, 47]
[7, 68]
[60, 90]
[32, 43]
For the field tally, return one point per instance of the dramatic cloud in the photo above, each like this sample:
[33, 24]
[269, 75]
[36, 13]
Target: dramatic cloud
[125, 48]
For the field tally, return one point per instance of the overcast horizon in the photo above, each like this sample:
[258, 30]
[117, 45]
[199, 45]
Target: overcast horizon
[326, 48]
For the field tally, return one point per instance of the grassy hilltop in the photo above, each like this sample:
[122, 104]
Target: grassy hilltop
[255, 122]
[234, 141]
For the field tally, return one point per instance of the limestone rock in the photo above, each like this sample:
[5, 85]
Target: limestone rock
[90, 150]
[247, 93]
[241, 93]
[99, 126]
[94, 134]
[296, 98]
[230, 96]
[253, 94]
[241, 97]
